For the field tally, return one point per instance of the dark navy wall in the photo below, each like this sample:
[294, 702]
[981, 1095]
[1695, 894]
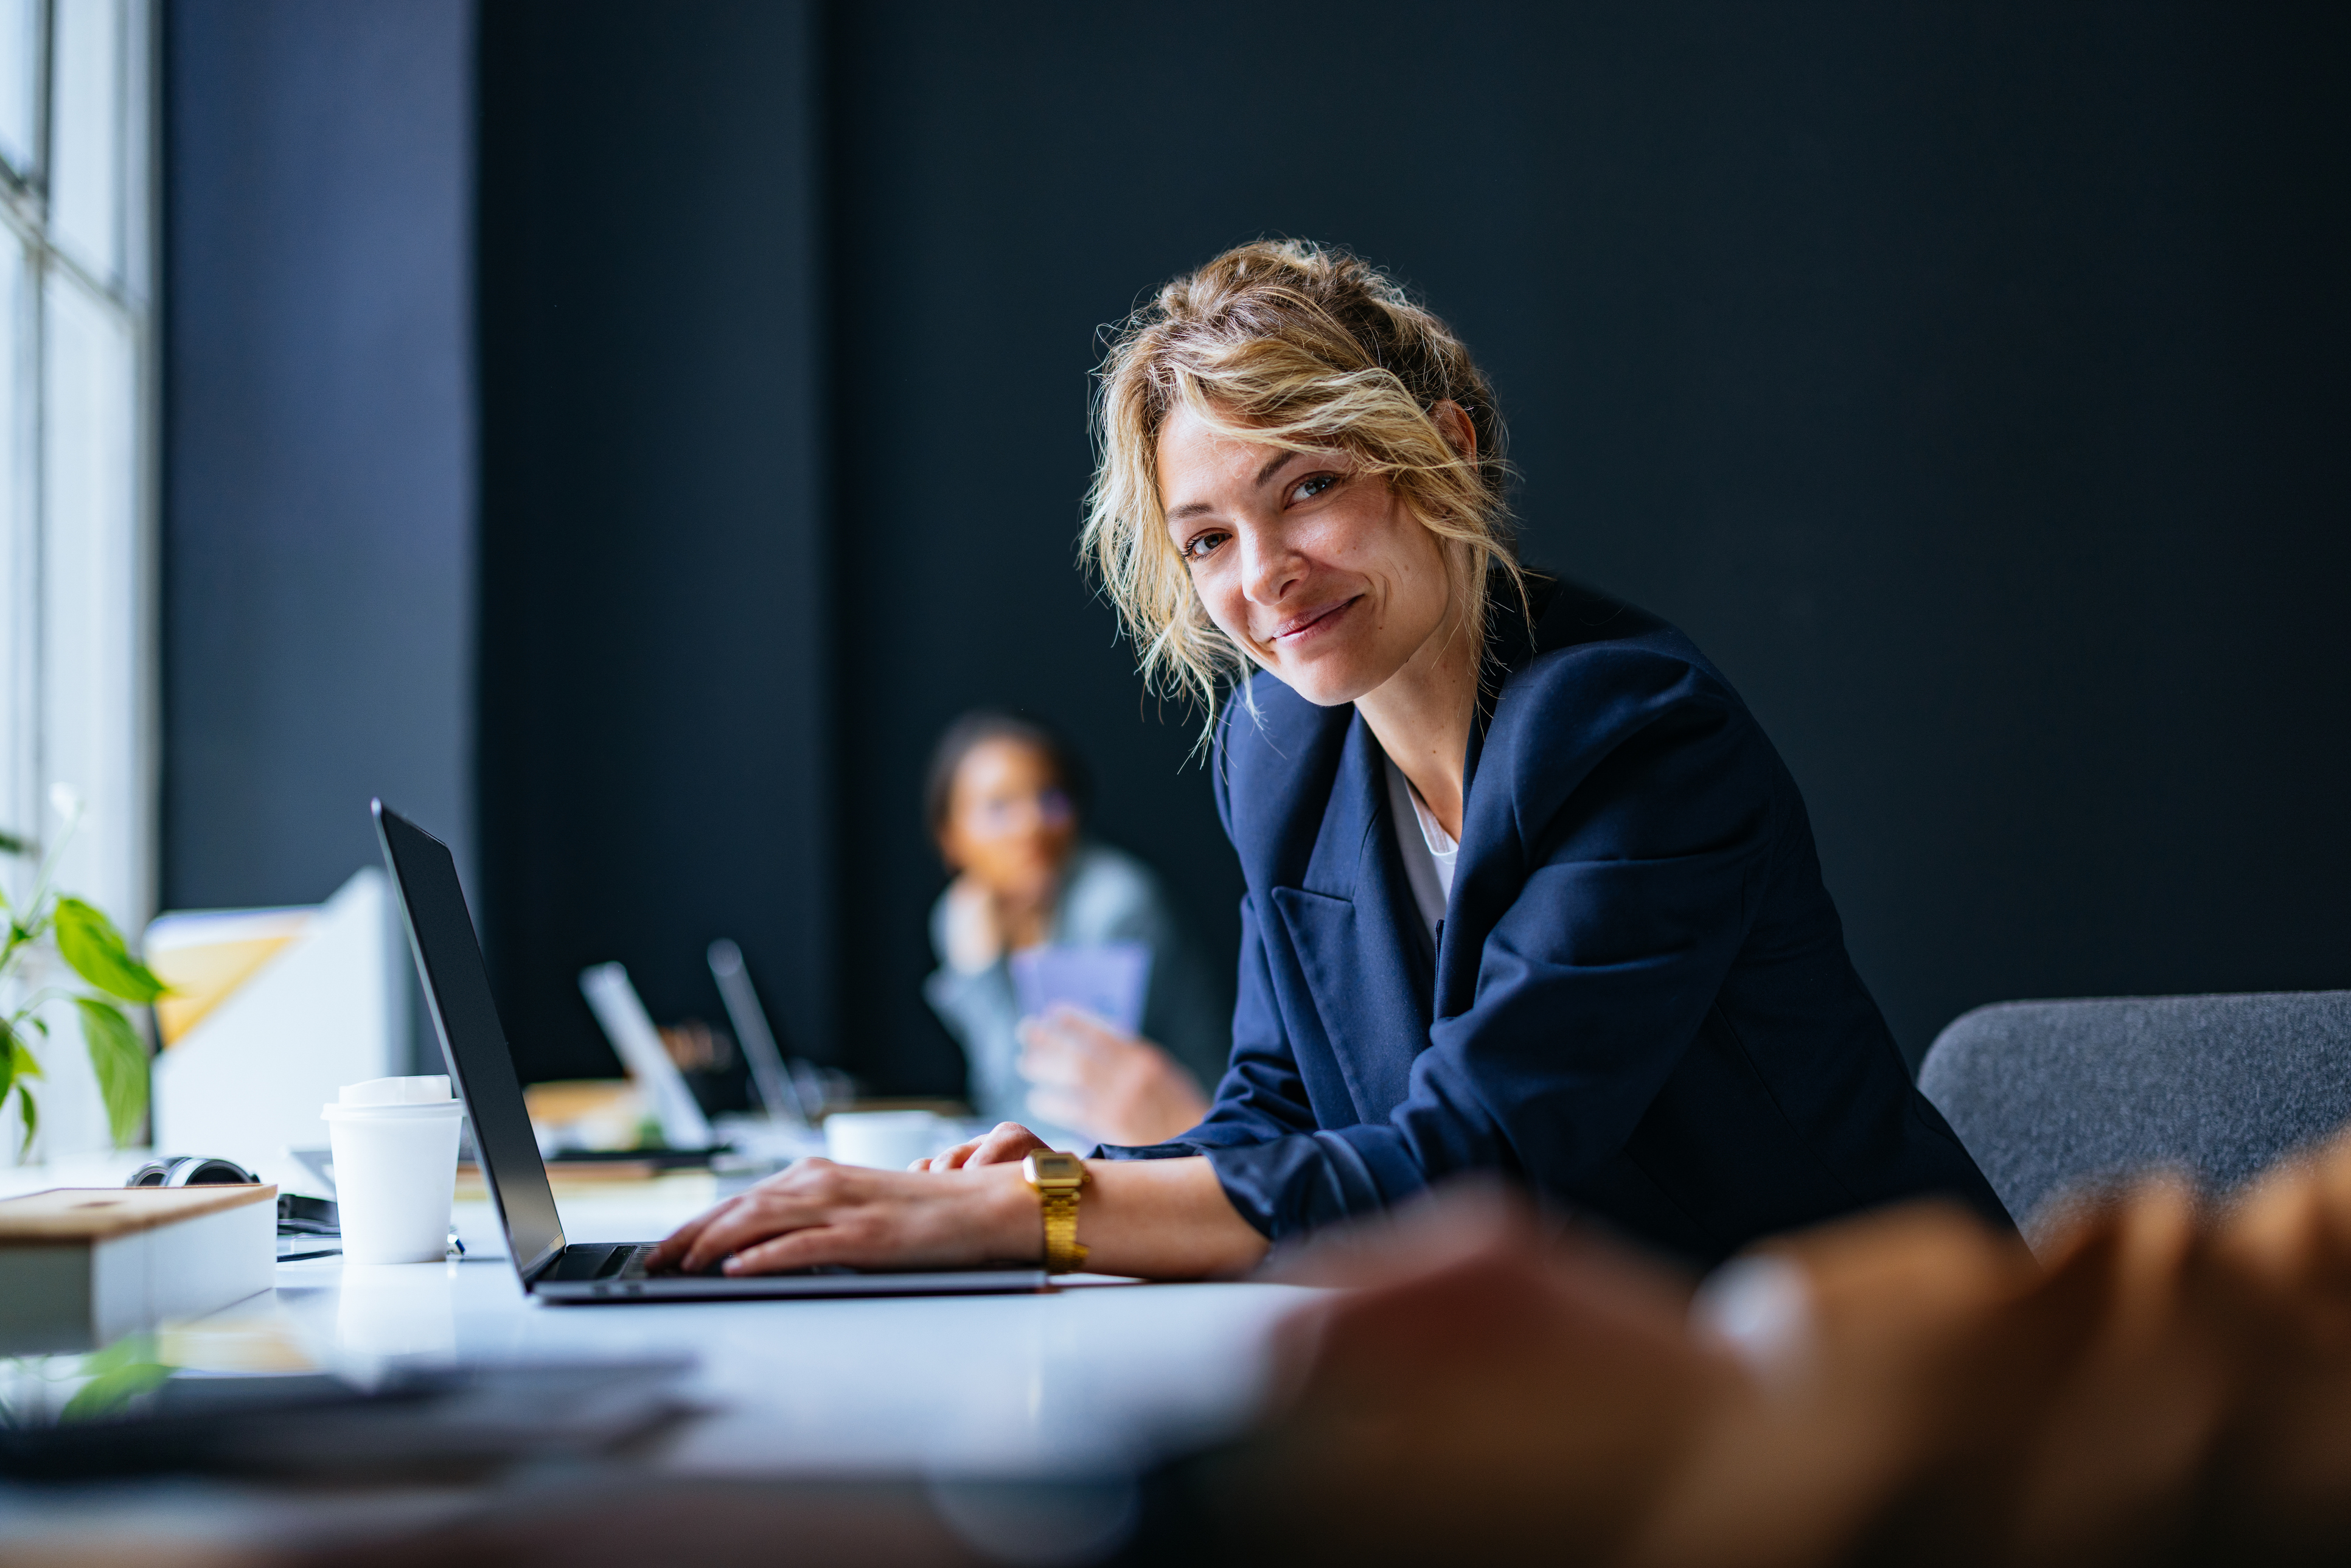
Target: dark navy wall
[319, 438]
[657, 669]
[1964, 377]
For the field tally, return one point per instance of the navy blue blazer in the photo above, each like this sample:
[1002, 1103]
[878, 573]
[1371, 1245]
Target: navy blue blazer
[1639, 1003]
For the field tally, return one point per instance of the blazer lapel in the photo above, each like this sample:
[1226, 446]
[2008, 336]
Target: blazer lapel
[1487, 872]
[1345, 926]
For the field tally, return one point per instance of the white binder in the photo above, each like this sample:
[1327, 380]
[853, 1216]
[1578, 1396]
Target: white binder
[325, 1003]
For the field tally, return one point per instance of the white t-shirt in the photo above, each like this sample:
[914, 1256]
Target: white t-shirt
[1428, 850]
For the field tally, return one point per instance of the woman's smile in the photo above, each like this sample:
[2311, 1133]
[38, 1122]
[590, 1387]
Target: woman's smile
[1299, 629]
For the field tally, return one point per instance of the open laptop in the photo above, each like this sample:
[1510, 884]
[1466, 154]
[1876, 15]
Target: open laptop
[457, 990]
[614, 999]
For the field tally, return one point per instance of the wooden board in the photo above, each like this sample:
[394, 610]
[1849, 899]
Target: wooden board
[98, 1213]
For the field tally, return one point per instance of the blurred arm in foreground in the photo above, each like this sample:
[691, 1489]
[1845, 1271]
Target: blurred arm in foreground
[2171, 1382]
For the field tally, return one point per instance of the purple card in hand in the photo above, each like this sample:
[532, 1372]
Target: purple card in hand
[1107, 978]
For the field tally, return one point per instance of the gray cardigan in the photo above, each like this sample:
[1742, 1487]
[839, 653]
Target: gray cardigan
[1107, 895]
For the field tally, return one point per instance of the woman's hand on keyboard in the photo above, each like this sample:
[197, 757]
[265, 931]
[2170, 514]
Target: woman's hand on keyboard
[819, 1214]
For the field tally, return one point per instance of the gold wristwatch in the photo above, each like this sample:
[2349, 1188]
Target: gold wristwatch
[1057, 1177]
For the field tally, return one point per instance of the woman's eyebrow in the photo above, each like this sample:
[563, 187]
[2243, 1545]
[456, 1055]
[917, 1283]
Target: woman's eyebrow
[1272, 466]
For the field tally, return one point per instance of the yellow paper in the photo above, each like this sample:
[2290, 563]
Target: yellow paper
[202, 977]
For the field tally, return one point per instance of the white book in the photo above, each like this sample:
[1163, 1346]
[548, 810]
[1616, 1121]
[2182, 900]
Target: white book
[81, 1267]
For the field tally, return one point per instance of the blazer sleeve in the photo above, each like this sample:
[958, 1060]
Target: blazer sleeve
[1638, 837]
[1260, 1096]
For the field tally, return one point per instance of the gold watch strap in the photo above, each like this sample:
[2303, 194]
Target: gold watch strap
[1063, 1253]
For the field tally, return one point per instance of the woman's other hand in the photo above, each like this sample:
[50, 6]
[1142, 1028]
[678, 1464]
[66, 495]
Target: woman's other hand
[821, 1214]
[1106, 1083]
[1006, 1143]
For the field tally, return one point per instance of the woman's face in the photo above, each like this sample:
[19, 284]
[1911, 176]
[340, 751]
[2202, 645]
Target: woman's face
[1010, 825]
[1317, 568]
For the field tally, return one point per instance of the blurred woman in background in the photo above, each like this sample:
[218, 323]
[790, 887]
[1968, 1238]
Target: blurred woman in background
[1003, 802]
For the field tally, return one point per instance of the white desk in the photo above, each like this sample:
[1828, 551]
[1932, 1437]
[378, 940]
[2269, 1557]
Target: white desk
[1089, 1376]
[1084, 1375]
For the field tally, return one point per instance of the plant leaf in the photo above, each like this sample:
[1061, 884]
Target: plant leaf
[129, 1348]
[110, 1390]
[88, 940]
[21, 1066]
[11, 844]
[120, 1059]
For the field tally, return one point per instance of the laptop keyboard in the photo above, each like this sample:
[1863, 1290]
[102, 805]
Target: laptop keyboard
[628, 1262]
[591, 1262]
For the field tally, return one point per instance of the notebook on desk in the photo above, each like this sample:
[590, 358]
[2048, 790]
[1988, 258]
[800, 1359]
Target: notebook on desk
[458, 992]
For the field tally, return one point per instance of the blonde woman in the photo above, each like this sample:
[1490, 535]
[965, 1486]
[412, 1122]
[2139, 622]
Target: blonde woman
[1529, 892]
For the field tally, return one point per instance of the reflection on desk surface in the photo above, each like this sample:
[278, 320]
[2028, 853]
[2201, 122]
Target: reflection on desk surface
[1097, 1376]
[1002, 1385]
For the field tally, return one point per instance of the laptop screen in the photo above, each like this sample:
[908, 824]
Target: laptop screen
[457, 990]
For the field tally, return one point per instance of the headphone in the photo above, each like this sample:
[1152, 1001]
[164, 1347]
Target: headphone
[191, 1170]
[296, 1215]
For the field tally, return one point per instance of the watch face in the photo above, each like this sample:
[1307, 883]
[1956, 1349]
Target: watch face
[1054, 1165]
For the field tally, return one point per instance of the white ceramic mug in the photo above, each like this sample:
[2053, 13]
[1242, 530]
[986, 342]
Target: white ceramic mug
[886, 1140]
[395, 1149]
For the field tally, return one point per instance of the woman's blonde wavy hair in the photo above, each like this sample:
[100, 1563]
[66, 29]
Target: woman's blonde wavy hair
[1290, 344]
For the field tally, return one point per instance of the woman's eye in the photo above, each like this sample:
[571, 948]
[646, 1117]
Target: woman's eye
[1312, 486]
[1200, 546]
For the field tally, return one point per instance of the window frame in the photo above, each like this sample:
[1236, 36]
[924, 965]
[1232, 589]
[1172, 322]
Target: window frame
[115, 717]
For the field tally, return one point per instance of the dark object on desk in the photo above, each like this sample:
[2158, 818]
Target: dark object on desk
[307, 1227]
[443, 1424]
[312, 1228]
[299, 1216]
[2052, 1095]
[296, 1215]
[457, 994]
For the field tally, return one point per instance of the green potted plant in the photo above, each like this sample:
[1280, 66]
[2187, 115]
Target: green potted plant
[55, 948]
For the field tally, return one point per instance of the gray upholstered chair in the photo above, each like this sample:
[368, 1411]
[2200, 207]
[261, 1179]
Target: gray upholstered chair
[2050, 1095]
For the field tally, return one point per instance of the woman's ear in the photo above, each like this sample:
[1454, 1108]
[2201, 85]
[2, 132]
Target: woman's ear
[1453, 420]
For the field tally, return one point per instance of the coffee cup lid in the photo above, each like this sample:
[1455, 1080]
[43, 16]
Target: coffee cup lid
[398, 1099]
[396, 1091]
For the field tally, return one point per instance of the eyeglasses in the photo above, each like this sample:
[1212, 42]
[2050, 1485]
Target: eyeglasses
[1010, 813]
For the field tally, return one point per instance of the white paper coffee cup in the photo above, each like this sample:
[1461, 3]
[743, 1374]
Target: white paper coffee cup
[886, 1140]
[395, 1150]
